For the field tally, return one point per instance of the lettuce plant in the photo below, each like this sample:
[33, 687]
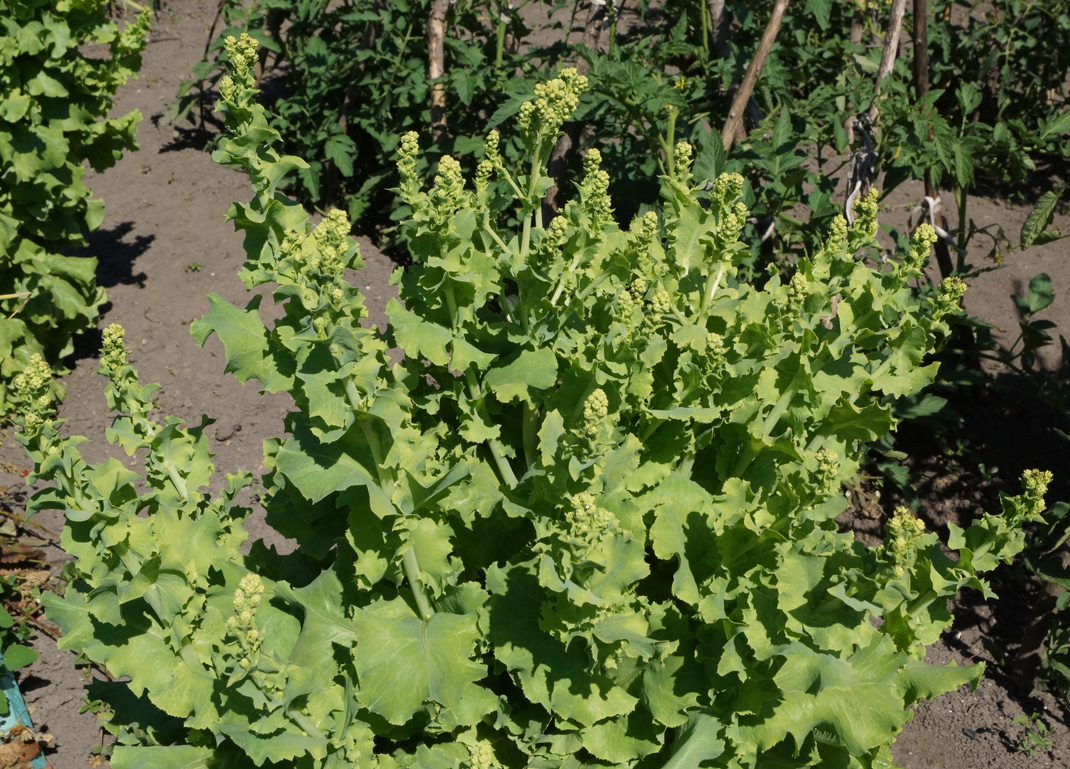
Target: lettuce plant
[54, 102]
[574, 507]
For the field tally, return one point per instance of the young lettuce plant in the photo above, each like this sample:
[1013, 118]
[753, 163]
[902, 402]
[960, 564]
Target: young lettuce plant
[587, 520]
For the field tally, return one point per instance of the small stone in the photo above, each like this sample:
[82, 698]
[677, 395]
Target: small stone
[970, 733]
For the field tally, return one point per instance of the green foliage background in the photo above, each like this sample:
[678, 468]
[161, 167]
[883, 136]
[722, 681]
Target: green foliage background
[53, 106]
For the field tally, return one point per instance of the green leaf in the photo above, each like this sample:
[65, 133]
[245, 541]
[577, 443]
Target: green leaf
[16, 657]
[245, 340]
[1039, 295]
[855, 697]
[406, 663]
[1040, 217]
[318, 469]
[523, 376]
[699, 741]
[1058, 125]
[821, 10]
[324, 623]
[169, 757]
[551, 674]
[341, 151]
[417, 337]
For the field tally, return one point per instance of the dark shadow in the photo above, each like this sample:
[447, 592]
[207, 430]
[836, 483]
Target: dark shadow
[1051, 171]
[192, 133]
[116, 254]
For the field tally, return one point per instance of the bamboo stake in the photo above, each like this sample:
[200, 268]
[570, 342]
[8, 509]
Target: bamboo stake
[436, 67]
[891, 47]
[734, 125]
[857, 23]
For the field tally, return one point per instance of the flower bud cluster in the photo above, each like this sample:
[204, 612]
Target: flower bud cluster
[332, 242]
[113, 351]
[627, 307]
[902, 533]
[733, 222]
[716, 350]
[241, 624]
[227, 89]
[661, 303]
[449, 184]
[1035, 483]
[242, 54]
[866, 210]
[727, 188]
[555, 100]
[407, 152]
[797, 291]
[484, 172]
[681, 157]
[837, 232]
[586, 520]
[596, 407]
[292, 243]
[920, 243]
[33, 393]
[481, 756]
[642, 233]
[594, 191]
[491, 149]
[951, 292]
[558, 232]
[828, 466]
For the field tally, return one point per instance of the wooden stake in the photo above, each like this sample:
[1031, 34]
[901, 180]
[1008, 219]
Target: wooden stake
[891, 47]
[436, 66]
[718, 29]
[734, 125]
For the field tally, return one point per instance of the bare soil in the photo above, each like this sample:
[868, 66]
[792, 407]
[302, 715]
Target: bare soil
[164, 246]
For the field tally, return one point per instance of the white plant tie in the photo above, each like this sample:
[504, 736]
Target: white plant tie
[931, 207]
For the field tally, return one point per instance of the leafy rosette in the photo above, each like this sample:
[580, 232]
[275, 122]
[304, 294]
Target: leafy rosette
[586, 519]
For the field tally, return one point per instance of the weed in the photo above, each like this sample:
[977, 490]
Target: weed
[1036, 734]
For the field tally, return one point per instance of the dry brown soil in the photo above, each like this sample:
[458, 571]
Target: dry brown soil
[164, 246]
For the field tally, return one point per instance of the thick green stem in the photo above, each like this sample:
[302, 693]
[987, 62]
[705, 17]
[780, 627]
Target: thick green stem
[702, 11]
[451, 302]
[500, 44]
[563, 279]
[532, 211]
[475, 394]
[668, 142]
[411, 567]
[531, 438]
[178, 481]
[713, 282]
